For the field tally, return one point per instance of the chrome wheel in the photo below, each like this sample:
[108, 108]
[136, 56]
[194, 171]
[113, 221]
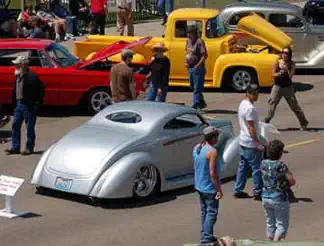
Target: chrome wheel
[145, 181]
[241, 79]
[100, 100]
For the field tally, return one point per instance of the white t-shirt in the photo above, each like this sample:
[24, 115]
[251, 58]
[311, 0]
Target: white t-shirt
[248, 112]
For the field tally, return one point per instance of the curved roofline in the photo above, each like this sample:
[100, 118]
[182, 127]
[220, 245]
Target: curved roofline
[201, 13]
[152, 113]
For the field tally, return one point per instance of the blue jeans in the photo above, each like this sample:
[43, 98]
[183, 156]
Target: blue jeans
[209, 211]
[249, 157]
[165, 6]
[152, 94]
[277, 217]
[28, 114]
[197, 80]
[71, 22]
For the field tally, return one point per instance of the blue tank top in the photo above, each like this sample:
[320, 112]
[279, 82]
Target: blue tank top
[203, 182]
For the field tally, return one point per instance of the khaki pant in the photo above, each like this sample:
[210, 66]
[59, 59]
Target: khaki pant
[124, 17]
[288, 93]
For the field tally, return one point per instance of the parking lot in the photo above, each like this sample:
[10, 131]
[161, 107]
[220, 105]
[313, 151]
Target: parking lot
[172, 218]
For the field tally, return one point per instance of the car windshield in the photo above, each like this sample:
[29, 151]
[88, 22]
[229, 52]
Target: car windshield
[215, 28]
[61, 55]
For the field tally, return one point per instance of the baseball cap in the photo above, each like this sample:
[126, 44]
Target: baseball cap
[209, 130]
[127, 53]
[252, 88]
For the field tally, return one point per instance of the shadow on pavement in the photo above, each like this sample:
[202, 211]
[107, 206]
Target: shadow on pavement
[299, 87]
[30, 215]
[219, 111]
[302, 199]
[309, 72]
[293, 129]
[122, 203]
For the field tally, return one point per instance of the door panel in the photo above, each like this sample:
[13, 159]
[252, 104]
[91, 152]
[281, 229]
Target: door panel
[7, 79]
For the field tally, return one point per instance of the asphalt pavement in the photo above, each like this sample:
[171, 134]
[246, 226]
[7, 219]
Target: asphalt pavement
[173, 218]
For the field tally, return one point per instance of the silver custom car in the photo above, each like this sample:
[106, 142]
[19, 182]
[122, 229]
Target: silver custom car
[308, 38]
[132, 149]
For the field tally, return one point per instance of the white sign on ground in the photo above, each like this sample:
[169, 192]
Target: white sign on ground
[9, 187]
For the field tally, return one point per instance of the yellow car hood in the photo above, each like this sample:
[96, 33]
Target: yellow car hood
[261, 29]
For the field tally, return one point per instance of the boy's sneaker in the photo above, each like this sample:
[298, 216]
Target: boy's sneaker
[4, 121]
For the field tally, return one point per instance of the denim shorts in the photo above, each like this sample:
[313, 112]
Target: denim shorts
[277, 217]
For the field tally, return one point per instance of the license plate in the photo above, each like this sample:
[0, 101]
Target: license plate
[63, 184]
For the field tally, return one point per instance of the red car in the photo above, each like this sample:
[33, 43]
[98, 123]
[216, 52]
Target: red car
[68, 81]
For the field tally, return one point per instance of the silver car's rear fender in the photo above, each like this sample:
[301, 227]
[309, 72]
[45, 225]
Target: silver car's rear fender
[117, 180]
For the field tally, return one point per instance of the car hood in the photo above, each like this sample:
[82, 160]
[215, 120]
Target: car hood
[114, 49]
[82, 151]
[261, 29]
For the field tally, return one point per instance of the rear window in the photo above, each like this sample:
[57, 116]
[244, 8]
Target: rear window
[125, 117]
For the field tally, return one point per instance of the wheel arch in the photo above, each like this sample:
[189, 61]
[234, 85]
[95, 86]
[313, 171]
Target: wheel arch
[230, 69]
[85, 95]
[117, 180]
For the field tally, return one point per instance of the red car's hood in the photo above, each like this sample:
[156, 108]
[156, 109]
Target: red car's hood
[113, 50]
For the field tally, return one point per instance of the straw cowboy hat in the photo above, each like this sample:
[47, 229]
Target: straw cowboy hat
[226, 241]
[160, 46]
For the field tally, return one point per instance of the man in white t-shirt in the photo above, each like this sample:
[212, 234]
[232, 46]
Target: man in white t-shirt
[251, 148]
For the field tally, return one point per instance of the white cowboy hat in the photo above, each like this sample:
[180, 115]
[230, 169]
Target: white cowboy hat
[20, 60]
[160, 46]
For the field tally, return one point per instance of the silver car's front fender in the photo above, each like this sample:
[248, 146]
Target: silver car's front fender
[117, 180]
[40, 167]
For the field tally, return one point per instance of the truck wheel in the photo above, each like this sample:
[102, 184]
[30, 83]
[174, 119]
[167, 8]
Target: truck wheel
[98, 99]
[239, 78]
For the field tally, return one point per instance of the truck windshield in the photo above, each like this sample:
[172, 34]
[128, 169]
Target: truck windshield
[215, 28]
[61, 55]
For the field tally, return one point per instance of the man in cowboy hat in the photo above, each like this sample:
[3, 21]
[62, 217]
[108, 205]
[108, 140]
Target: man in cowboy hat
[159, 74]
[28, 93]
[121, 78]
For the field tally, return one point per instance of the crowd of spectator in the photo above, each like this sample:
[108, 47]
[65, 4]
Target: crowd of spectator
[53, 22]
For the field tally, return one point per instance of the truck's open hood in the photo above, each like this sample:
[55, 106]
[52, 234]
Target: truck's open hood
[261, 29]
[114, 49]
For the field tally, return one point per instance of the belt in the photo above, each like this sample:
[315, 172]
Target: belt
[122, 7]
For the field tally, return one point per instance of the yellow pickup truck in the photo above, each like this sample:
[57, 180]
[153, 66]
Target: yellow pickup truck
[229, 63]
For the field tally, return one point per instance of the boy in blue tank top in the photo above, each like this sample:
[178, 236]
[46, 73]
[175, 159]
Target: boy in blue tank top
[207, 182]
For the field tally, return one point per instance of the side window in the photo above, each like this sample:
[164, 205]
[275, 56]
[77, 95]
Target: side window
[34, 59]
[44, 60]
[236, 18]
[184, 121]
[285, 20]
[181, 27]
[7, 56]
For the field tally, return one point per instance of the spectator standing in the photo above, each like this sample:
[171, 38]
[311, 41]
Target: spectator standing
[28, 94]
[207, 182]
[251, 147]
[165, 8]
[159, 74]
[283, 71]
[121, 79]
[98, 12]
[125, 17]
[8, 24]
[277, 181]
[195, 63]
[80, 9]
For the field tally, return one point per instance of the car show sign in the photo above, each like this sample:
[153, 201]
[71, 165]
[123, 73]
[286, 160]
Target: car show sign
[9, 187]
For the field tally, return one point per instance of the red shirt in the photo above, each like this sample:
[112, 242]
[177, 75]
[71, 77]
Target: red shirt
[98, 6]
